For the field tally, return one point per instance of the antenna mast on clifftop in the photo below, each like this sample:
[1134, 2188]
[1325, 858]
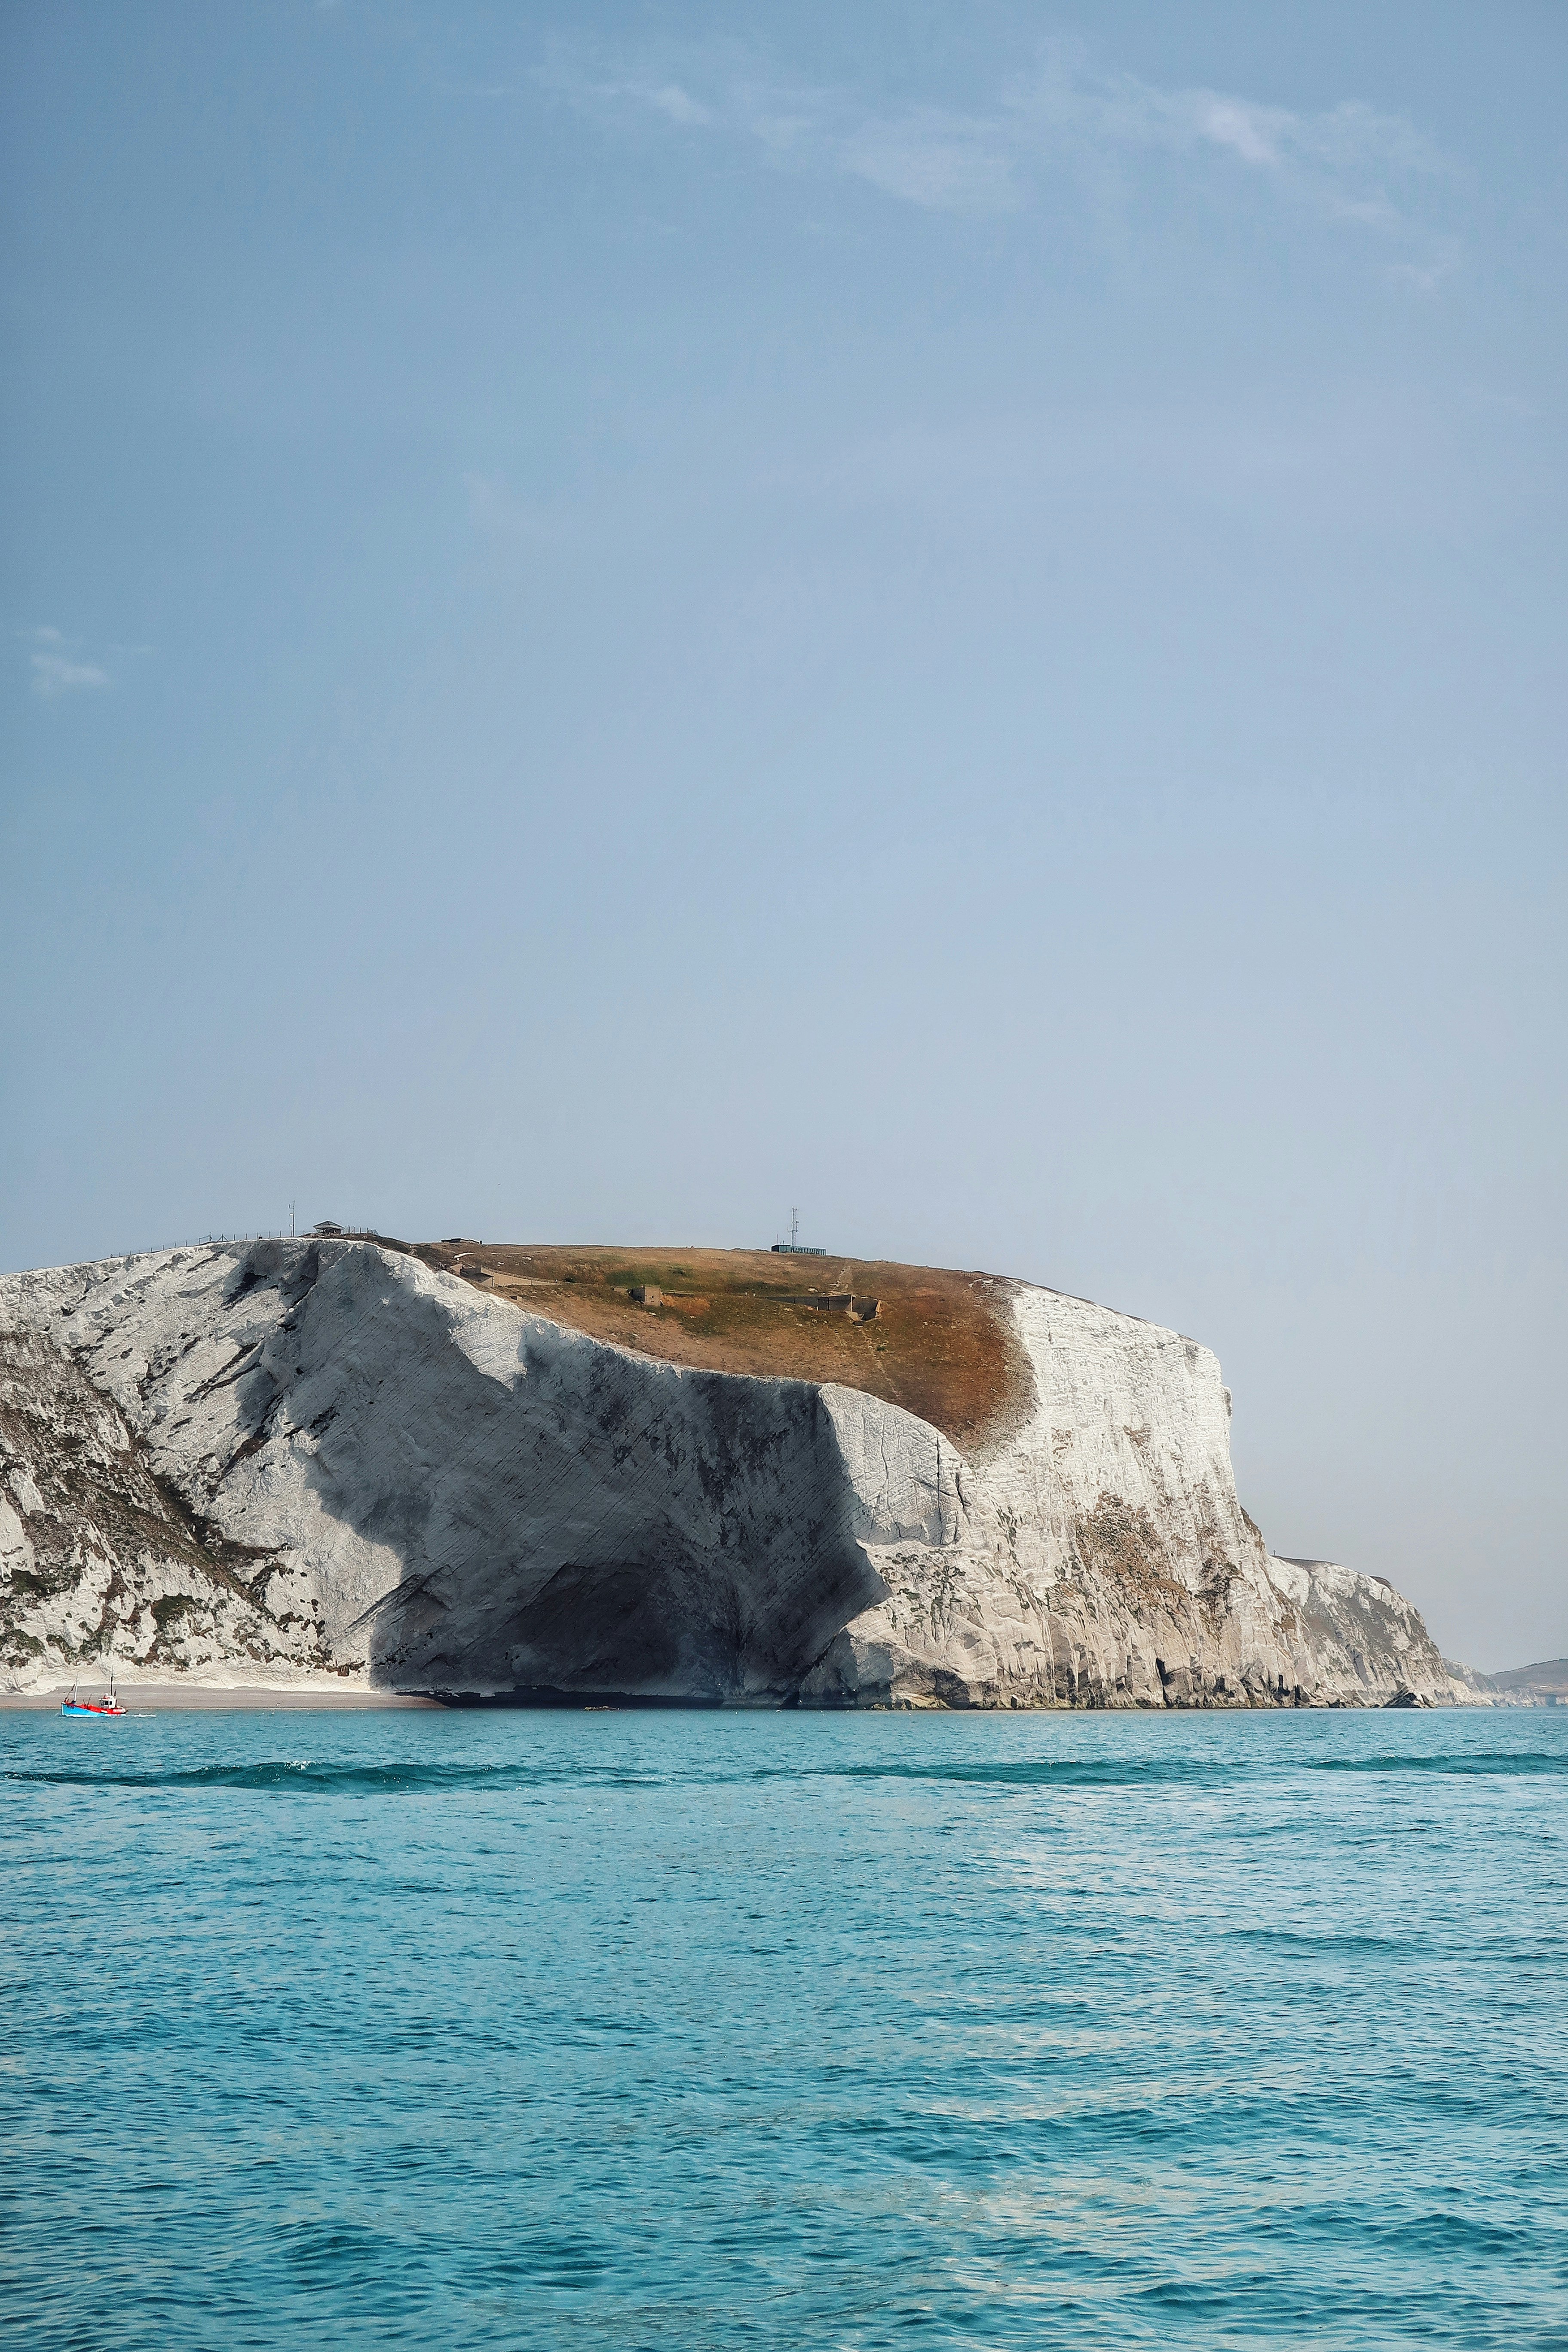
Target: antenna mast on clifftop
[794, 1246]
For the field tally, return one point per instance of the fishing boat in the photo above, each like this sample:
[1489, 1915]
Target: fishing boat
[107, 1704]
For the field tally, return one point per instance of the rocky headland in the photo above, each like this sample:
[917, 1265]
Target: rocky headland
[578, 1476]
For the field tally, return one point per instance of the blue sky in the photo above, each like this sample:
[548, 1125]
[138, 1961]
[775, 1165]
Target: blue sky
[621, 619]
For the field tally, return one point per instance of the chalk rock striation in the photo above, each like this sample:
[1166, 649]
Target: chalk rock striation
[325, 1459]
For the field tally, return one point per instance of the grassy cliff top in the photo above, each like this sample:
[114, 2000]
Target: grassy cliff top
[941, 1344]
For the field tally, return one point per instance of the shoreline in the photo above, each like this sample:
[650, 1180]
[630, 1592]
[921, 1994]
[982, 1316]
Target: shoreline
[196, 1698]
[260, 1698]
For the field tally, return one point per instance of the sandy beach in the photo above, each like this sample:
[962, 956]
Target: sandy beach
[145, 1699]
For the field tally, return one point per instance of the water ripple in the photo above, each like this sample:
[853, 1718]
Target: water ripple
[572, 2033]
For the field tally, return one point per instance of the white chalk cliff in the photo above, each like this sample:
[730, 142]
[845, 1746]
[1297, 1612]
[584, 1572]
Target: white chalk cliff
[323, 1459]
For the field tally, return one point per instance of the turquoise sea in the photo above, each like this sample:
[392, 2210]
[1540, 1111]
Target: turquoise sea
[688, 2031]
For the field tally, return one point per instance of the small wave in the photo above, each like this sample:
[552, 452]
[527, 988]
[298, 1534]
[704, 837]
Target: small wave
[1511, 1764]
[1038, 1772]
[305, 1776]
[309, 1778]
[1185, 1771]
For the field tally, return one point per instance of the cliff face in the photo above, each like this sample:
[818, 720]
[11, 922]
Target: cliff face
[1099, 1557]
[310, 1458]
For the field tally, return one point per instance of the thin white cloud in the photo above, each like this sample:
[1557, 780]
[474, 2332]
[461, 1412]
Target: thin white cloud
[626, 93]
[947, 162]
[55, 673]
[673, 102]
[1345, 156]
[1348, 162]
[1426, 277]
[1230, 125]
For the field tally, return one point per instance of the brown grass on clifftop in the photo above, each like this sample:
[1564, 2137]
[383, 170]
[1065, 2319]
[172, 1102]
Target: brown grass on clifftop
[940, 1345]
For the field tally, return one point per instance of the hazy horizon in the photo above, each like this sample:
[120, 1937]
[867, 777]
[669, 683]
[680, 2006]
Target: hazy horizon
[621, 621]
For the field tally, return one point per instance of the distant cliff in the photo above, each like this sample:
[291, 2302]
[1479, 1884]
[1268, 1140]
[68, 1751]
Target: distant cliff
[329, 1459]
[1546, 1684]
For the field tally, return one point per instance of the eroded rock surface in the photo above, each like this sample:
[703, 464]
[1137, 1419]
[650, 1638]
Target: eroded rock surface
[101, 1557]
[1100, 1557]
[326, 1458]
